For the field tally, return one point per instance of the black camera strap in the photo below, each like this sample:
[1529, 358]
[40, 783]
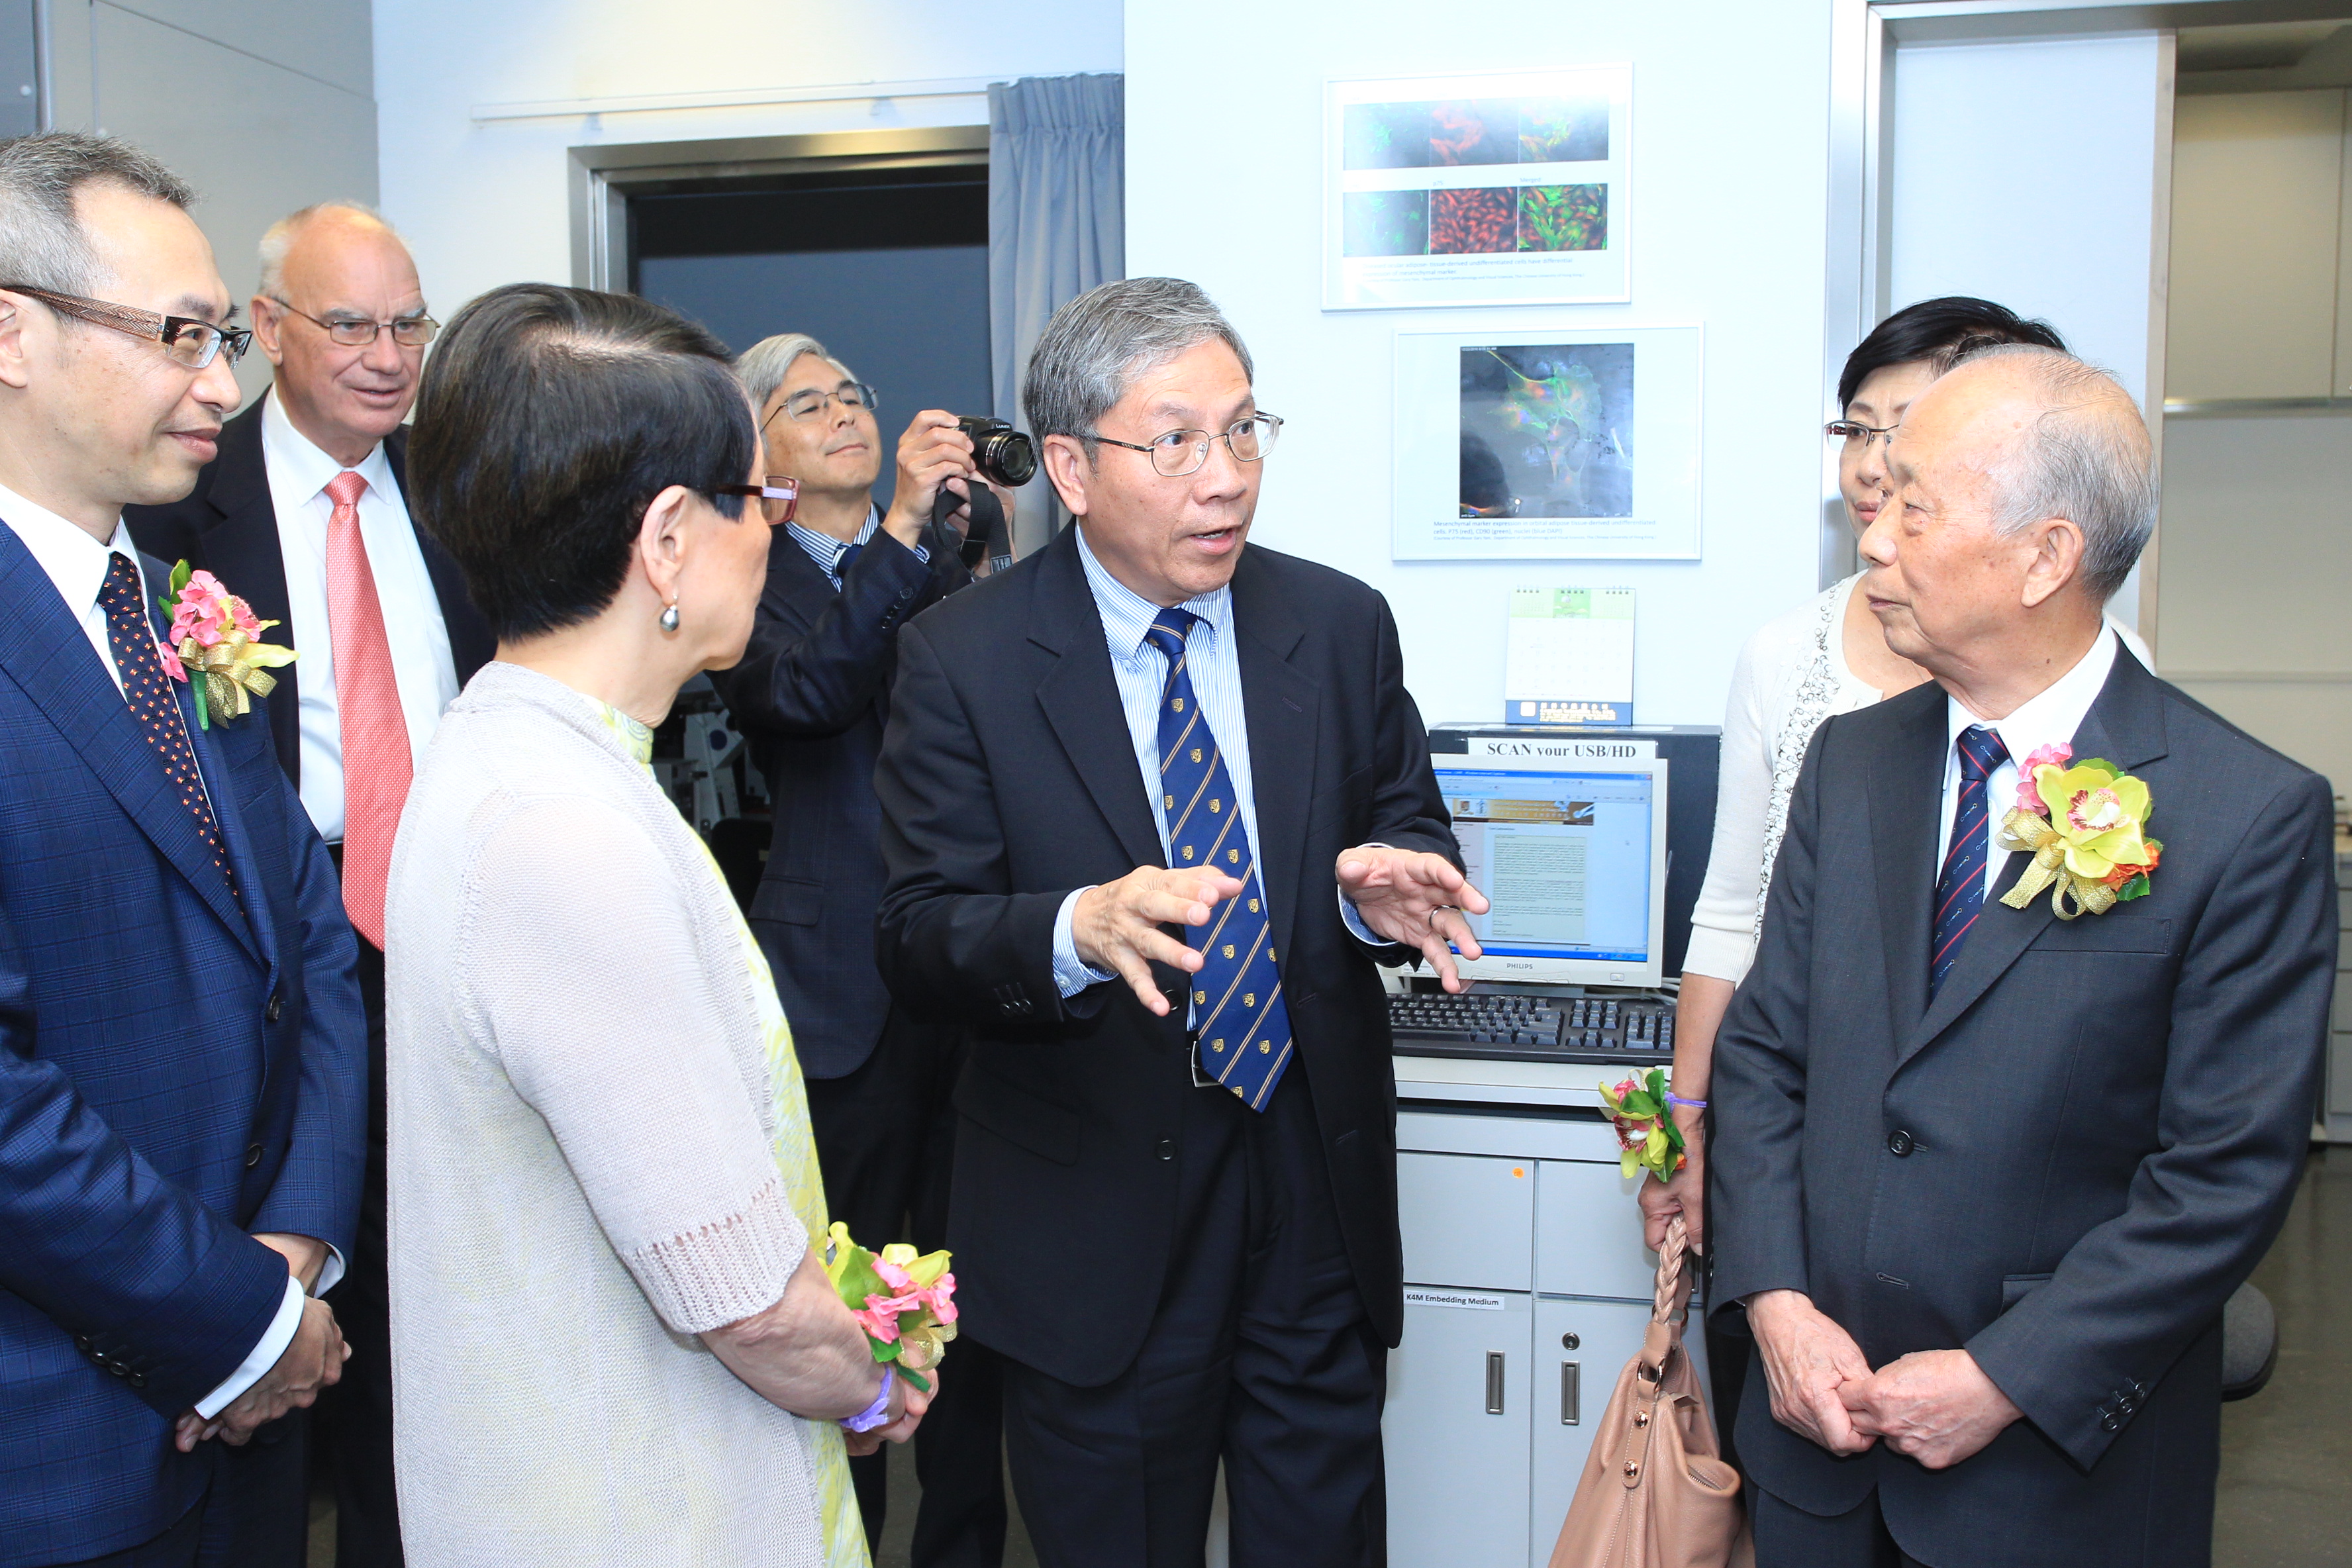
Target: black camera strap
[987, 537]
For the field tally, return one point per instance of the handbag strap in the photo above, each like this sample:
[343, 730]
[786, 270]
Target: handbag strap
[1670, 1306]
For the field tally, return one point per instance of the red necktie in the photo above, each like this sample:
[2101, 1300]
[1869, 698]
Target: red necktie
[376, 763]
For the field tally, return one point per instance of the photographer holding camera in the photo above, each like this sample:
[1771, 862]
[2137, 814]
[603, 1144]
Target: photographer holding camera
[811, 694]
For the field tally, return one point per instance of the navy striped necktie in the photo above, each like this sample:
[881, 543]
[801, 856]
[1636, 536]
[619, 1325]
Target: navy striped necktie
[1240, 1023]
[1960, 887]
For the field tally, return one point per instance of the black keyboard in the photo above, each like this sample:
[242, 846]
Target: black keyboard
[1519, 1027]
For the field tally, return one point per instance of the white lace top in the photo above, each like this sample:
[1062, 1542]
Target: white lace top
[1790, 678]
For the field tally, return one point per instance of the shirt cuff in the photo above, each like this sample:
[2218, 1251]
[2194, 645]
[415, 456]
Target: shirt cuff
[265, 1355]
[330, 1272]
[1072, 974]
[1353, 919]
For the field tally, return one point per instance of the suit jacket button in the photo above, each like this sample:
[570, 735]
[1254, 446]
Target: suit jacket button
[2109, 1422]
[118, 1368]
[1166, 1149]
[1900, 1144]
[252, 1155]
[81, 1344]
[137, 1380]
[277, 1008]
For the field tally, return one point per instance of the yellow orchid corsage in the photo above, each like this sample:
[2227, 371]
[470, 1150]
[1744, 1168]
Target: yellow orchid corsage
[906, 1303]
[2085, 824]
[1647, 1136]
[215, 635]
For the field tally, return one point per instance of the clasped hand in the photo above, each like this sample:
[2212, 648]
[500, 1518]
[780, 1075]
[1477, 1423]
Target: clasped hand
[313, 1359]
[1936, 1406]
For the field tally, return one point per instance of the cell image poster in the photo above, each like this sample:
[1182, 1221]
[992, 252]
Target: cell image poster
[1547, 430]
[1478, 190]
[1547, 443]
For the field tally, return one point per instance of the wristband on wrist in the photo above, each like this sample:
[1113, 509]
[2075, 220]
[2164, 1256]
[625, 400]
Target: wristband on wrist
[877, 1414]
[1674, 1099]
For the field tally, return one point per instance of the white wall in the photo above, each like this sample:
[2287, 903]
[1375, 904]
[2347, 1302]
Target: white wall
[485, 203]
[2035, 174]
[1729, 145]
[2258, 559]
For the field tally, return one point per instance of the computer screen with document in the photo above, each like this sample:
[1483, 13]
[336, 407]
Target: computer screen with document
[1572, 854]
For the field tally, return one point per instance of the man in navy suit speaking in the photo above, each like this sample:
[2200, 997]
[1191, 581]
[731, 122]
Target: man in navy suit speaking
[183, 1060]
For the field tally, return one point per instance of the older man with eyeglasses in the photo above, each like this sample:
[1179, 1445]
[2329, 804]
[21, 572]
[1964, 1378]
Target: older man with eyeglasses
[183, 1057]
[812, 694]
[303, 514]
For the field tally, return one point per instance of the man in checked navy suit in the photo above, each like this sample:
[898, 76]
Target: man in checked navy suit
[1155, 802]
[183, 1060]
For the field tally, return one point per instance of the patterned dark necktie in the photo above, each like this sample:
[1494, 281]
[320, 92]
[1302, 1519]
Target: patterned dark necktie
[1240, 1023]
[1960, 887]
[148, 691]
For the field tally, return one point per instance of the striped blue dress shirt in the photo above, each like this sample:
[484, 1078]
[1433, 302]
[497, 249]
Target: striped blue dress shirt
[1141, 671]
[826, 551]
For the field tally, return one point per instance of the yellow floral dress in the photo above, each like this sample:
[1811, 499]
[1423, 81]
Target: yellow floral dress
[795, 1147]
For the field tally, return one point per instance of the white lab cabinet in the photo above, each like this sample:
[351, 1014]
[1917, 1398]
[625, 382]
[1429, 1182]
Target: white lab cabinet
[1526, 1291]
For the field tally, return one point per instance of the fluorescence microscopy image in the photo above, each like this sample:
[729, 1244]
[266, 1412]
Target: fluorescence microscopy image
[1384, 223]
[1563, 130]
[1547, 430]
[1563, 218]
[1467, 132]
[1473, 222]
[1385, 136]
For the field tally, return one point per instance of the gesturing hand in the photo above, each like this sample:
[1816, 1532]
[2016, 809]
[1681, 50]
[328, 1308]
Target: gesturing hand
[1808, 1359]
[1415, 898]
[1117, 926]
[1937, 1406]
[312, 1361]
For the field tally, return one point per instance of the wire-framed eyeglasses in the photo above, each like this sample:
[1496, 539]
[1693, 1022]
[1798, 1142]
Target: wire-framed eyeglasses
[809, 402]
[190, 341]
[359, 331]
[1181, 452]
[778, 497]
[1857, 436]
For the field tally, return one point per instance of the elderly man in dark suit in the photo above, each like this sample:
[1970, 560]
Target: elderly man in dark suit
[812, 693]
[183, 1060]
[1986, 1175]
[303, 511]
[1155, 802]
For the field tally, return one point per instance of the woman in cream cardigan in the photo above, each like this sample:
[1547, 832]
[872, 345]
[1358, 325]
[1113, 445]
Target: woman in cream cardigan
[613, 1339]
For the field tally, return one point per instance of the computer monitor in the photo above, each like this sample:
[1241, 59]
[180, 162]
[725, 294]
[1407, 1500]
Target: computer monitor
[1572, 854]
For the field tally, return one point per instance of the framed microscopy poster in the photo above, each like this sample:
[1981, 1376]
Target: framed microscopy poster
[1547, 443]
[1478, 190]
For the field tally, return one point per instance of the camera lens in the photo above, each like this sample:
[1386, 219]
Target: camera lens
[1001, 452]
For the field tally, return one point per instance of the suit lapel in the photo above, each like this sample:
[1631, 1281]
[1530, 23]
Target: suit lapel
[1280, 704]
[1903, 798]
[254, 921]
[2125, 726]
[240, 547]
[43, 650]
[1080, 700]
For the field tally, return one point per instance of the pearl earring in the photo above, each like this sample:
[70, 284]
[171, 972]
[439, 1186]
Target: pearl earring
[669, 617]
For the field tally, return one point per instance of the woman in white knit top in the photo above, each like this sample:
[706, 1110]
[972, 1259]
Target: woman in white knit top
[613, 1338]
[1826, 657]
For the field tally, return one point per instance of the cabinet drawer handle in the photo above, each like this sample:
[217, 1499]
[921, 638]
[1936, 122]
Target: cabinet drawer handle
[1494, 1383]
[1572, 1377]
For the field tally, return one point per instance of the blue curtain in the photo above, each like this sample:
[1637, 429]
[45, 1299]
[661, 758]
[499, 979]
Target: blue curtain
[1057, 228]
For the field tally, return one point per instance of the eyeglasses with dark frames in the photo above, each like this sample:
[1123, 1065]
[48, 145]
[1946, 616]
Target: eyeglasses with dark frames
[190, 341]
[1857, 436]
[779, 499]
[359, 331]
[809, 402]
[1181, 452]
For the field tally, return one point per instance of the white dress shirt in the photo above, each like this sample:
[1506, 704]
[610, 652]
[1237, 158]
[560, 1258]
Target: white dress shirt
[2049, 718]
[1141, 670]
[422, 667]
[76, 564]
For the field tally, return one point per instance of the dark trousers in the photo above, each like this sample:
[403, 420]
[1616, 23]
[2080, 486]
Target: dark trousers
[354, 1419]
[253, 1514]
[1259, 1354]
[885, 1141]
[1789, 1537]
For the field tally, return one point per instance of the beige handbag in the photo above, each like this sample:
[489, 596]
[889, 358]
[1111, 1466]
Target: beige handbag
[1656, 1492]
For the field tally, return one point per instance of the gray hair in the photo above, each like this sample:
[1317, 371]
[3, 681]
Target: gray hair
[279, 238]
[1097, 344]
[2082, 460]
[42, 242]
[761, 368]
